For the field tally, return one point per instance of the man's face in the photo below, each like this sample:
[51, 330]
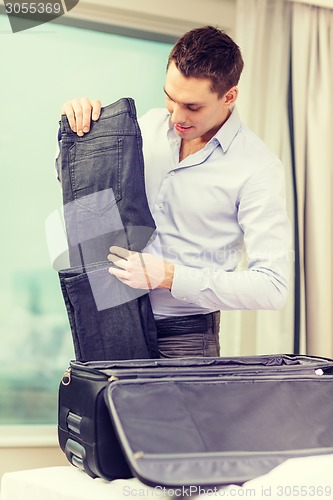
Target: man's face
[196, 112]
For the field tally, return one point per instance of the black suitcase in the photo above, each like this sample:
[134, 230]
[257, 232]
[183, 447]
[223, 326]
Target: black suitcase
[195, 421]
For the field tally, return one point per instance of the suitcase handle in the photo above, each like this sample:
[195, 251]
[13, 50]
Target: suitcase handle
[73, 422]
[77, 462]
[75, 453]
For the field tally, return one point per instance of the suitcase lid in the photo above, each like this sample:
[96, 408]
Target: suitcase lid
[199, 431]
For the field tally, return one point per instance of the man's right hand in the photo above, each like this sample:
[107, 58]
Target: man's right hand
[80, 112]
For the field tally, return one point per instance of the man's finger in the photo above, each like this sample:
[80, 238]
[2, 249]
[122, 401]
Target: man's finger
[119, 273]
[86, 106]
[124, 253]
[116, 260]
[96, 109]
[77, 108]
[68, 110]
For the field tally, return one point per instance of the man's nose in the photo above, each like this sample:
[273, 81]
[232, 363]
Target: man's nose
[178, 115]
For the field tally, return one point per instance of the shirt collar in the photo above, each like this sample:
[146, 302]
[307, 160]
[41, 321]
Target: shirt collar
[229, 130]
[224, 136]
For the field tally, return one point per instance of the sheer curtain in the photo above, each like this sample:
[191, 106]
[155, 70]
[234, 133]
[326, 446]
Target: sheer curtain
[312, 93]
[270, 32]
[263, 34]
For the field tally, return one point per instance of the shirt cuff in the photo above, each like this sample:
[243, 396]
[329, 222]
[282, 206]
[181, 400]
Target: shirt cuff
[186, 284]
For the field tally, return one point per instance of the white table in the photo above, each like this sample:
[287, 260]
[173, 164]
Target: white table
[307, 478]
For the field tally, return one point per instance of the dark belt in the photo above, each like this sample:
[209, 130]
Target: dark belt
[178, 325]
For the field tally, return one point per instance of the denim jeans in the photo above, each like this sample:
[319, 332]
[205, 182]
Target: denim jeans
[189, 336]
[105, 204]
[126, 331]
[102, 177]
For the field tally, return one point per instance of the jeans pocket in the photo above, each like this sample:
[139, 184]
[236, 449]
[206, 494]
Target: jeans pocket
[96, 174]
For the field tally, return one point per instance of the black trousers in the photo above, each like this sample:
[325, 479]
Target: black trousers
[189, 336]
[105, 204]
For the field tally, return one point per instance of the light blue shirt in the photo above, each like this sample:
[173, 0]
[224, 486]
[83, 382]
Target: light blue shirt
[217, 208]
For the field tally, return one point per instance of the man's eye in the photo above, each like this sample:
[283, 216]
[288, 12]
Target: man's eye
[193, 109]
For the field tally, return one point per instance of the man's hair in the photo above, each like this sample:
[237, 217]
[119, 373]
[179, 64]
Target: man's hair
[208, 52]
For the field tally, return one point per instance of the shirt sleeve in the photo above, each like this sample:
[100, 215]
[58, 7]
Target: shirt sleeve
[263, 283]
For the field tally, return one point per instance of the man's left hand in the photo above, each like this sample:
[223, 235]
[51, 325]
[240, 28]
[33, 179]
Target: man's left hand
[140, 270]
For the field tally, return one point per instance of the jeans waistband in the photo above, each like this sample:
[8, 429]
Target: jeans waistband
[123, 105]
[178, 325]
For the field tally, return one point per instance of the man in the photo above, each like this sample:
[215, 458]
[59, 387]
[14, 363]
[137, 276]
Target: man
[216, 193]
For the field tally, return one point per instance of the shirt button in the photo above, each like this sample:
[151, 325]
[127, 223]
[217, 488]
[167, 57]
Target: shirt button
[172, 172]
[160, 205]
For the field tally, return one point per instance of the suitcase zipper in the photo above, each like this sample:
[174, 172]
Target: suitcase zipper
[87, 372]
[90, 373]
[229, 379]
[216, 375]
[94, 374]
[66, 378]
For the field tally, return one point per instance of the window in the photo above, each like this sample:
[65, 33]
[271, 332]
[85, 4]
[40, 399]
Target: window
[41, 69]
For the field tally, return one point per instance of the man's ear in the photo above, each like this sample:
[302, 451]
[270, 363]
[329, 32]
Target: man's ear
[231, 96]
